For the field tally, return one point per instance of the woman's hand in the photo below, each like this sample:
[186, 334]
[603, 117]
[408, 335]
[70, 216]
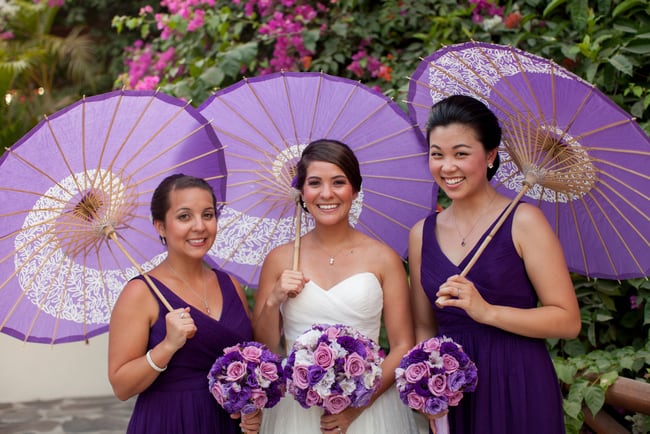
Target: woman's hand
[290, 284]
[433, 418]
[459, 292]
[250, 423]
[180, 327]
[339, 423]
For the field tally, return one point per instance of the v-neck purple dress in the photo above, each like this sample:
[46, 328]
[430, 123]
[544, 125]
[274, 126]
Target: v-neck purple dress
[518, 390]
[179, 401]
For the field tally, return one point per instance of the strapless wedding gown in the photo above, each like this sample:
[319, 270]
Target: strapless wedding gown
[357, 302]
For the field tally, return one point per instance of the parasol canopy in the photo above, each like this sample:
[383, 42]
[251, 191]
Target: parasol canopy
[566, 147]
[265, 123]
[74, 204]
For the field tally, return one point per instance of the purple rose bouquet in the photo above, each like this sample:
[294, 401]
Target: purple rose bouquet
[247, 377]
[333, 367]
[433, 375]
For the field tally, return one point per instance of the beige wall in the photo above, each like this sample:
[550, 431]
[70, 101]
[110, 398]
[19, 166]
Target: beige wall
[31, 372]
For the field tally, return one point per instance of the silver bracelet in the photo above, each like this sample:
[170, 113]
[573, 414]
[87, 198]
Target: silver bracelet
[152, 364]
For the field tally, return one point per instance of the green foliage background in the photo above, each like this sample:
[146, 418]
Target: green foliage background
[58, 54]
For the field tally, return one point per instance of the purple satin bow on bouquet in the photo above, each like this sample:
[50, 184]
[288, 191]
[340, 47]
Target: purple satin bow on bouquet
[433, 375]
[246, 378]
[333, 367]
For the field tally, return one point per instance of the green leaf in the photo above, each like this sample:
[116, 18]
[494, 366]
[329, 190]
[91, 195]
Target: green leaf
[572, 408]
[310, 39]
[627, 5]
[578, 13]
[552, 6]
[565, 372]
[594, 398]
[621, 63]
[213, 76]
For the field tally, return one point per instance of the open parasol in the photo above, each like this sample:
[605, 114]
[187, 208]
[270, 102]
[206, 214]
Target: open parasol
[74, 206]
[264, 124]
[566, 147]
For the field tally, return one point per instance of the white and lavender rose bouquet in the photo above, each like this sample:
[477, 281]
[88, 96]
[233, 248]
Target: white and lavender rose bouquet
[333, 367]
[433, 375]
[246, 378]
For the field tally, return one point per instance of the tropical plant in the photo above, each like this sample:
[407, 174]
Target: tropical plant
[39, 70]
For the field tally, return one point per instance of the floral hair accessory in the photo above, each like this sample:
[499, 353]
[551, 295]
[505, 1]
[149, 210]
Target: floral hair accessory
[433, 375]
[333, 367]
[246, 378]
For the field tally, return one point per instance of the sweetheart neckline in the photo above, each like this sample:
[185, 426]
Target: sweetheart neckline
[351, 276]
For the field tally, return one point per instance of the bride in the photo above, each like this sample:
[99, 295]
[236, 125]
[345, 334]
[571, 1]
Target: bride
[347, 278]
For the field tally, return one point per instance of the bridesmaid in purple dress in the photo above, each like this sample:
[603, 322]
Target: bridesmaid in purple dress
[517, 294]
[164, 357]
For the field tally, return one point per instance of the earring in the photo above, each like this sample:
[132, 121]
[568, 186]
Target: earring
[490, 166]
[163, 240]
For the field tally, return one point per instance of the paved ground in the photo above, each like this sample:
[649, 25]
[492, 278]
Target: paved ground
[103, 415]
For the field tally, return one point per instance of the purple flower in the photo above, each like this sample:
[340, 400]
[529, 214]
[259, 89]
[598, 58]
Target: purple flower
[415, 372]
[323, 356]
[437, 384]
[334, 404]
[235, 371]
[434, 374]
[333, 367]
[247, 377]
[301, 376]
[354, 365]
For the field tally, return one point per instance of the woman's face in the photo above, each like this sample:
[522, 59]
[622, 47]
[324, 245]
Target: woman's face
[327, 192]
[190, 222]
[457, 160]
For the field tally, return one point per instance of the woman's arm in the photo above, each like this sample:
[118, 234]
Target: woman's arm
[277, 282]
[558, 315]
[423, 318]
[136, 309]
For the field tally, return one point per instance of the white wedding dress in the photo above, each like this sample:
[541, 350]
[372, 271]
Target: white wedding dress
[357, 302]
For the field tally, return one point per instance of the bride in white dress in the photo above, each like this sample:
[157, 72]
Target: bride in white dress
[345, 277]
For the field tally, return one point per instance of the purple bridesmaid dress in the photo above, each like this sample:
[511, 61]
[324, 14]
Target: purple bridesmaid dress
[518, 391]
[179, 401]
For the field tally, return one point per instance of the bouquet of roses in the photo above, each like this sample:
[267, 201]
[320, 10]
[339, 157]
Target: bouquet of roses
[247, 377]
[433, 375]
[333, 367]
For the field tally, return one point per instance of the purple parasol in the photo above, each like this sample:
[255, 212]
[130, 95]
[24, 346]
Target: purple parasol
[265, 122]
[566, 147]
[74, 191]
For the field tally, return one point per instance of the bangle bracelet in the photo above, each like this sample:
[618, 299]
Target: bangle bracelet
[152, 364]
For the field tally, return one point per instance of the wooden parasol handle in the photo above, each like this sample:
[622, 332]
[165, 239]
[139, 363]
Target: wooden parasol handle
[110, 233]
[296, 242]
[494, 230]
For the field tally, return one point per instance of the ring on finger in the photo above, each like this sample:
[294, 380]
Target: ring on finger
[458, 289]
[182, 315]
[340, 430]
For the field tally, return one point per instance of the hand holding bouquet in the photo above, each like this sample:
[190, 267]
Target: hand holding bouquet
[246, 378]
[333, 367]
[433, 375]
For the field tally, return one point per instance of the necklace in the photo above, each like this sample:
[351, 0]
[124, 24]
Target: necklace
[332, 258]
[463, 243]
[204, 299]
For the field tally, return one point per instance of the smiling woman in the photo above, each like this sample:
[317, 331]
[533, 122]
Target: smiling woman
[161, 356]
[345, 277]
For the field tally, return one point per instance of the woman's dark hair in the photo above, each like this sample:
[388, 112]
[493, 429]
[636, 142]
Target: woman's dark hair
[329, 151]
[468, 111]
[160, 201]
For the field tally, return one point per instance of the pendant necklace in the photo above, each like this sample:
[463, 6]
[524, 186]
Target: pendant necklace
[332, 258]
[204, 299]
[463, 243]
